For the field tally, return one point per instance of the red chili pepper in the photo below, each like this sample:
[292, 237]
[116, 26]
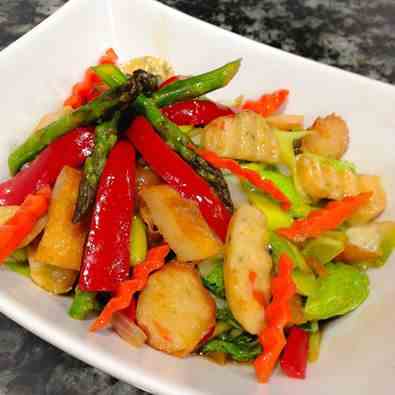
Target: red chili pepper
[90, 87]
[268, 103]
[195, 112]
[106, 257]
[125, 291]
[178, 174]
[277, 315]
[68, 150]
[266, 186]
[294, 359]
[170, 81]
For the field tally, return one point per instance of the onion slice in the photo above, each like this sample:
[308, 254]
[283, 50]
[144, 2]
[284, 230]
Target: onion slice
[128, 330]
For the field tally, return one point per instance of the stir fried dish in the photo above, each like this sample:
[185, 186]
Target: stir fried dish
[230, 230]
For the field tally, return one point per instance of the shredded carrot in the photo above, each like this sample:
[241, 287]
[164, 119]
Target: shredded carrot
[15, 230]
[84, 91]
[258, 295]
[130, 311]
[90, 87]
[268, 103]
[109, 57]
[324, 219]
[266, 186]
[297, 311]
[277, 316]
[155, 260]
[318, 268]
[163, 332]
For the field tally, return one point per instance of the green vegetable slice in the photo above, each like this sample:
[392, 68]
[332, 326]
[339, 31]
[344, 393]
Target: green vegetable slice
[138, 241]
[341, 291]
[299, 208]
[286, 144]
[17, 262]
[242, 348]
[387, 245]
[306, 283]
[186, 128]
[323, 248]
[84, 303]
[224, 314]
[276, 217]
[280, 245]
[376, 237]
[214, 279]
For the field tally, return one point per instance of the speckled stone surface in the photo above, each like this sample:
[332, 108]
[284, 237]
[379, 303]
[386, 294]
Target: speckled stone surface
[357, 35]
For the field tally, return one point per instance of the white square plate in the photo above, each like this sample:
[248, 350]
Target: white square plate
[36, 72]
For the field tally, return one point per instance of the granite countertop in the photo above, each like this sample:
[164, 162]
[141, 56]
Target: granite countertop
[356, 35]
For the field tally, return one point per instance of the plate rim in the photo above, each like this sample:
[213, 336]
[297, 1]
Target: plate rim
[43, 328]
[71, 4]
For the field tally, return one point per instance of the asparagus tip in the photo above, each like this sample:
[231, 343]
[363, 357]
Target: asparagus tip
[231, 70]
[86, 199]
[13, 165]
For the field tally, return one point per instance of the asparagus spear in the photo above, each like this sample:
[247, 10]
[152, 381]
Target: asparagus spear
[119, 97]
[84, 303]
[196, 86]
[180, 142]
[106, 134]
[116, 98]
[180, 90]
[111, 75]
[106, 137]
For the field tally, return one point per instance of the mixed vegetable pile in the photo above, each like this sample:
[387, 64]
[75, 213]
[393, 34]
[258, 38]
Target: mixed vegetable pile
[231, 231]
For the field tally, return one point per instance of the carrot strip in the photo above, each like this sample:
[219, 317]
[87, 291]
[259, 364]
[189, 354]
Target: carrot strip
[130, 311]
[324, 219]
[258, 295]
[90, 87]
[277, 315]
[109, 57]
[15, 230]
[266, 186]
[268, 103]
[155, 260]
[85, 90]
[318, 268]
